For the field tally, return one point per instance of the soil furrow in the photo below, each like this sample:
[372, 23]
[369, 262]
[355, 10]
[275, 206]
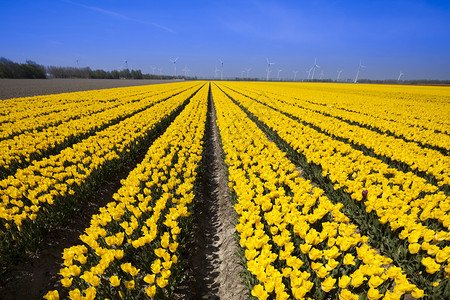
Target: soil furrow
[214, 264]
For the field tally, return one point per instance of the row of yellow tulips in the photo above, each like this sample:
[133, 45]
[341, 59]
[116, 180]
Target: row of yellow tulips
[21, 149]
[296, 243]
[394, 196]
[35, 118]
[131, 247]
[14, 109]
[405, 110]
[421, 159]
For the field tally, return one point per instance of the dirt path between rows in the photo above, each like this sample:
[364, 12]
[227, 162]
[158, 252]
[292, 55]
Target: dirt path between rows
[214, 264]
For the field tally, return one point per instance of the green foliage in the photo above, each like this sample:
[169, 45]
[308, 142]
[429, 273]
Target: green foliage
[31, 70]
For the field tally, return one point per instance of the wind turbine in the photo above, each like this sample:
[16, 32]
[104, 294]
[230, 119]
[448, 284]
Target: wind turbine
[248, 70]
[174, 65]
[153, 70]
[242, 74]
[126, 64]
[278, 76]
[359, 68]
[401, 74]
[215, 73]
[321, 75]
[78, 66]
[314, 68]
[221, 74]
[309, 72]
[295, 74]
[268, 73]
[268, 68]
[186, 71]
[339, 75]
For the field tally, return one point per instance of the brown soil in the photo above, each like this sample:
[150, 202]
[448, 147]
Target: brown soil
[214, 266]
[14, 88]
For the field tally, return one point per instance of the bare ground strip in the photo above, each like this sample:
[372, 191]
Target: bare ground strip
[214, 264]
[15, 88]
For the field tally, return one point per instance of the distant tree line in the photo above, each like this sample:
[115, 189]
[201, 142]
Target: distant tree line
[30, 69]
[86, 72]
[70, 72]
[10, 69]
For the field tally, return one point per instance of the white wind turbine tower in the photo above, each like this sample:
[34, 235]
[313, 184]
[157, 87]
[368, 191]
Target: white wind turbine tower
[268, 68]
[400, 75]
[153, 70]
[295, 74]
[359, 68]
[174, 65]
[268, 73]
[339, 75]
[126, 64]
[278, 76]
[215, 73]
[248, 70]
[186, 71]
[242, 74]
[314, 68]
[309, 72]
[221, 73]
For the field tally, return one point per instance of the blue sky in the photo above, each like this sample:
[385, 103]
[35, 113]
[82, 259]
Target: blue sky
[388, 36]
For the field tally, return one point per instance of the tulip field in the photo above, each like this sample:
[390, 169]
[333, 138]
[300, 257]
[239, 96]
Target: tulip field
[339, 191]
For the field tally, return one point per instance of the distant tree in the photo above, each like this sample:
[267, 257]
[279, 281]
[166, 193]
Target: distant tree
[6, 68]
[115, 74]
[33, 70]
[136, 74]
[10, 69]
[125, 73]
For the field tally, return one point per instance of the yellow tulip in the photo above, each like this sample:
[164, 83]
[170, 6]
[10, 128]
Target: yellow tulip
[347, 295]
[114, 281]
[52, 295]
[375, 281]
[150, 291]
[417, 293]
[357, 279]
[162, 282]
[328, 284]
[130, 284]
[430, 264]
[259, 292]
[414, 248]
[349, 259]
[66, 282]
[373, 294]
[75, 294]
[344, 281]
